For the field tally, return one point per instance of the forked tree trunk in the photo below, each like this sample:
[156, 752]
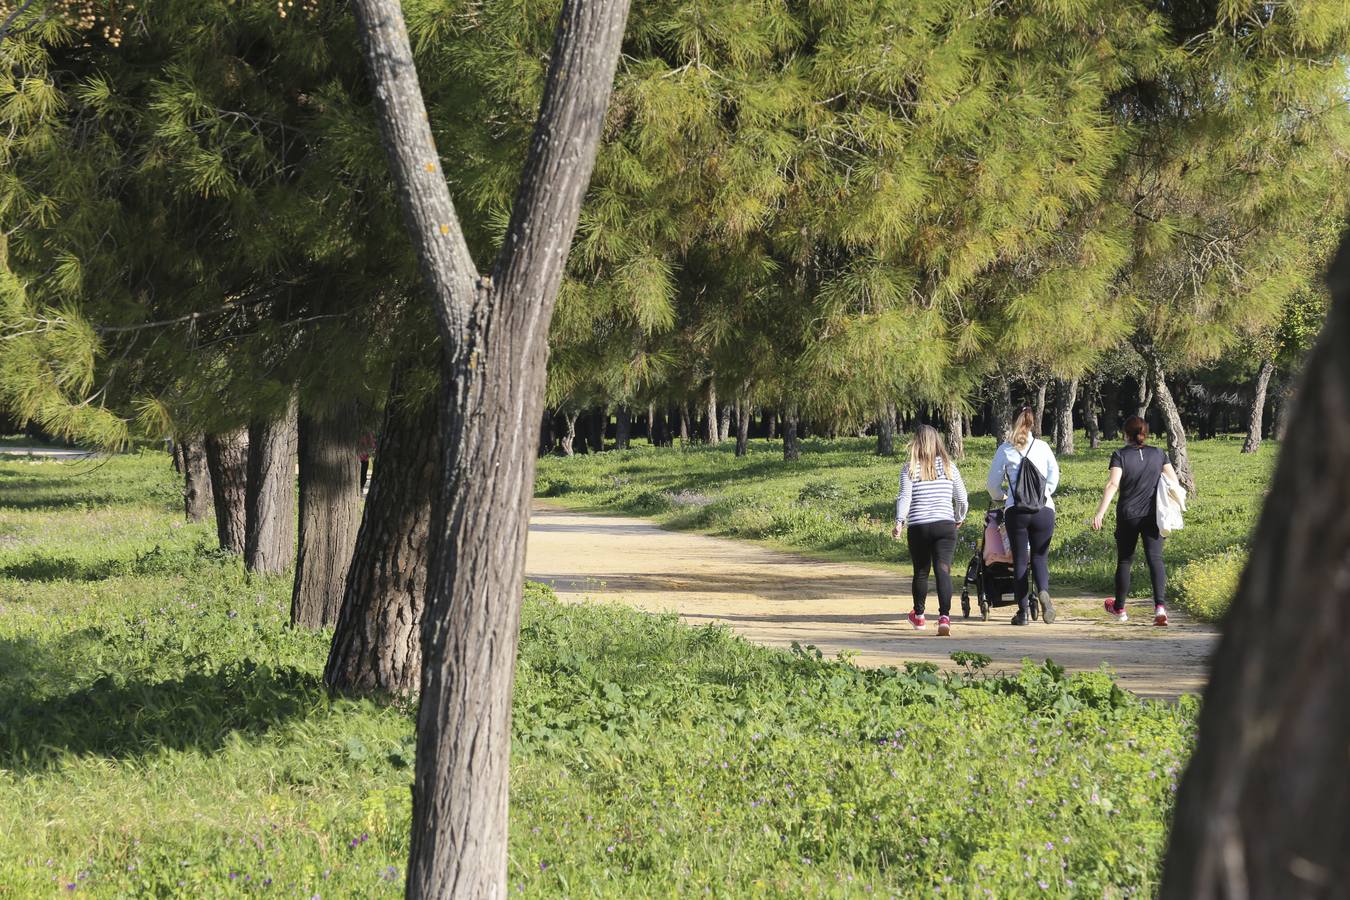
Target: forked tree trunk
[1258, 410]
[377, 647]
[569, 435]
[956, 431]
[269, 505]
[886, 429]
[191, 450]
[1264, 805]
[330, 513]
[1176, 430]
[1066, 395]
[494, 335]
[743, 428]
[791, 450]
[623, 424]
[227, 461]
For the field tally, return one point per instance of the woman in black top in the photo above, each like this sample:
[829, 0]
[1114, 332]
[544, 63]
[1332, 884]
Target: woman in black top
[1135, 470]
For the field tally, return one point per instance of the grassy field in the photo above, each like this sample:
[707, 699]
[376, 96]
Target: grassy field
[839, 500]
[164, 734]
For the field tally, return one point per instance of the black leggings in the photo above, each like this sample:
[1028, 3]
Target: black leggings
[931, 545]
[1128, 533]
[1030, 535]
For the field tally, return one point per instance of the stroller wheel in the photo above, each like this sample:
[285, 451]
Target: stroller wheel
[965, 604]
[1035, 608]
[984, 611]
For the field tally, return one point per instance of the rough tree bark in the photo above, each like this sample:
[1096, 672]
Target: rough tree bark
[1143, 393]
[724, 422]
[956, 431]
[772, 425]
[227, 461]
[712, 431]
[1003, 409]
[494, 335]
[791, 449]
[376, 648]
[1040, 407]
[1066, 395]
[1258, 410]
[886, 429]
[330, 514]
[1176, 430]
[1264, 806]
[269, 504]
[191, 450]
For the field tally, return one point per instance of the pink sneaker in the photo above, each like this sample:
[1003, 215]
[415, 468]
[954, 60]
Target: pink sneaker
[944, 626]
[1110, 605]
[916, 619]
[1159, 615]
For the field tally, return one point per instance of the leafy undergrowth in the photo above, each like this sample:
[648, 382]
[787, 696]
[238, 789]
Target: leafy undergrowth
[162, 733]
[839, 499]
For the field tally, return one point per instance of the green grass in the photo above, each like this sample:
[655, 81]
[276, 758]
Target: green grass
[164, 734]
[839, 500]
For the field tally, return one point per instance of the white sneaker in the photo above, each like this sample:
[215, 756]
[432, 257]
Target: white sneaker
[1110, 606]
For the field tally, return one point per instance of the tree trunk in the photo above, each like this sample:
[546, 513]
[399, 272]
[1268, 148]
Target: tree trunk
[724, 422]
[1264, 805]
[623, 423]
[772, 429]
[743, 428]
[269, 505]
[791, 450]
[1176, 431]
[546, 433]
[1003, 409]
[651, 425]
[1066, 395]
[1110, 410]
[191, 450]
[596, 421]
[956, 432]
[712, 431]
[1091, 397]
[1143, 395]
[227, 461]
[569, 435]
[886, 429]
[377, 648]
[494, 333]
[330, 514]
[1040, 407]
[1257, 414]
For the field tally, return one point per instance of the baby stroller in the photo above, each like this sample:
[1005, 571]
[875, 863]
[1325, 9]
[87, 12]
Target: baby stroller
[993, 580]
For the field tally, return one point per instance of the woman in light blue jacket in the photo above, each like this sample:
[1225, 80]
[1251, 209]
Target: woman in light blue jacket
[1029, 533]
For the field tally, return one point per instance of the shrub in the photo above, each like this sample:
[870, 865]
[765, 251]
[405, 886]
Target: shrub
[823, 489]
[1205, 587]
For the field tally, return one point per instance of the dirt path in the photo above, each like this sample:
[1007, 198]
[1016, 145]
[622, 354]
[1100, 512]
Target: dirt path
[775, 598]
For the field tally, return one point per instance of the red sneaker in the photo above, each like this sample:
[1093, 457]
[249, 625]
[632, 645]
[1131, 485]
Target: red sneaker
[1110, 605]
[916, 619]
[1159, 615]
[944, 626]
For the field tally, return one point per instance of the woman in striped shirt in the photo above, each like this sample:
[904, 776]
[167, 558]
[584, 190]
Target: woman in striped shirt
[932, 503]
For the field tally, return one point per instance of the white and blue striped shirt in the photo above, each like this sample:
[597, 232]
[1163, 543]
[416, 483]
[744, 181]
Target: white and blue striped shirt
[941, 500]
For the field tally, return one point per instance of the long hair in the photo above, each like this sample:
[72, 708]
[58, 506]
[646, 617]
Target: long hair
[1136, 431]
[1023, 428]
[925, 449]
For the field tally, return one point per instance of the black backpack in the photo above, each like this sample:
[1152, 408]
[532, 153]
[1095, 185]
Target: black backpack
[1028, 494]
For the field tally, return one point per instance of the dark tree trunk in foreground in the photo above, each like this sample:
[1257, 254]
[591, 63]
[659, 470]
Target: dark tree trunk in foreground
[1176, 431]
[377, 649]
[191, 449]
[791, 450]
[330, 513]
[227, 461]
[494, 335]
[1066, 395]
[1264, 806]
[956, 431]
[1258, 411]
[623, 425]
[886, 430]
[269, 505]
[742, 428]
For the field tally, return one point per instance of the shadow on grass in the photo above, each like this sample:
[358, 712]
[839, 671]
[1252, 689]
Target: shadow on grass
[124, 718]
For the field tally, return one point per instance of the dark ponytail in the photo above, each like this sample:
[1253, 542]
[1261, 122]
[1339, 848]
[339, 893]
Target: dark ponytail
[1136, 431]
